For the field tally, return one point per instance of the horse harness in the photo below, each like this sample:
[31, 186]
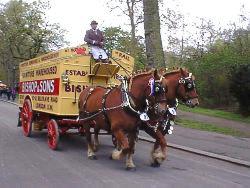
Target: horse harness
[127, 100]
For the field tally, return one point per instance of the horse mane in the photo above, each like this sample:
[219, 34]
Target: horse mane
[140, 73]
[174, 71]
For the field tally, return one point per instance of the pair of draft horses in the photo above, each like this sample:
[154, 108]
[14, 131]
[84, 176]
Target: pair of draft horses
[118, 111]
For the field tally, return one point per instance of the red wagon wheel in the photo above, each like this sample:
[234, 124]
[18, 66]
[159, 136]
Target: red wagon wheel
[27, 117]
[53, 134]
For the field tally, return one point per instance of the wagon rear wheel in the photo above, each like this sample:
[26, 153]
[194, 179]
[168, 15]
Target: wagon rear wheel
[53, 134]
[27, 117]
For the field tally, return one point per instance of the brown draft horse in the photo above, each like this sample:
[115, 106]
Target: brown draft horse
[180, 85]
[111, 113]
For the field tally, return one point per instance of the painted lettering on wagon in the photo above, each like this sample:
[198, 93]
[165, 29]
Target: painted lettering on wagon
[49, 99]
[74, 88]
[50, 56]
[44, 106]
[38, 60]
[28, 74]
[46, 71]
[76, 72]
[122, 55]
[40, 87]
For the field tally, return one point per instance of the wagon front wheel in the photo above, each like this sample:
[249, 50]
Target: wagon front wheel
[27, 117]
[53, 134]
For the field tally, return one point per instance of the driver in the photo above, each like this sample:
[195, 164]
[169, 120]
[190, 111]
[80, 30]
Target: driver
[94, 37]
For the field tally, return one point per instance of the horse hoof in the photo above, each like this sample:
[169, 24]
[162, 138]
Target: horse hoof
[155, 164]
[131, 168]
[92, 157]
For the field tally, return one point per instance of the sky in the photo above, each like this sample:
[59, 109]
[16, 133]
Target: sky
[75, 15]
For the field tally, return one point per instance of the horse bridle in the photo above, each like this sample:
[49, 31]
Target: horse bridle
[189, 85]
[156, 89]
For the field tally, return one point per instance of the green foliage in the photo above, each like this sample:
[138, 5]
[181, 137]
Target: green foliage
[25, 32]
[213, 69]
[2, 76]
[240, 87]
[116, 38]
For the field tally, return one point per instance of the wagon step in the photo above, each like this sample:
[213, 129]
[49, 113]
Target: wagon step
[104, 70]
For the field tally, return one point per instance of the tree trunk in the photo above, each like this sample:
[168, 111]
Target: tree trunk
[133, 50]
[154, 50]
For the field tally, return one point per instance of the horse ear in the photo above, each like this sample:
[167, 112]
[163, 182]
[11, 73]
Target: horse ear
[156, 75]
[162, 71]
[148, 69]
[182, 71]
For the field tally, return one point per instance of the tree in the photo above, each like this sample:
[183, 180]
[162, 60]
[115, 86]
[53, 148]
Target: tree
[131, 9]
[240, 87]
[25, 33]
[116, 38]
[154, 50]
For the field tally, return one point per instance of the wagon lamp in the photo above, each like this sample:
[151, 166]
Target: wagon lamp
[65, 78]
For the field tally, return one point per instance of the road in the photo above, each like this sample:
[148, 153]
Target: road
[27, 162]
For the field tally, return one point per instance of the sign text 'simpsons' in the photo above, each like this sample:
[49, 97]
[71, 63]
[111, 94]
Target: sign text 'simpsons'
[41, 87]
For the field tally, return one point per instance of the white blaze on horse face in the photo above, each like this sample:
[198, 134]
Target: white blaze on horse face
[190, 75]
[151, 84]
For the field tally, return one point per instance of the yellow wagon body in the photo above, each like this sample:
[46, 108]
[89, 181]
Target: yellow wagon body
[54, 81]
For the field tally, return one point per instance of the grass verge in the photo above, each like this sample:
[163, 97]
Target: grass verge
[216, 113]
[210, 127]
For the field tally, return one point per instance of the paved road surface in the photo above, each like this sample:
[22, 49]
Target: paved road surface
[27, 162]
[230, 146]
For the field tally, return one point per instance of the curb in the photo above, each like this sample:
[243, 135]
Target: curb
[14, 103]
[187, 149]
[202, 153]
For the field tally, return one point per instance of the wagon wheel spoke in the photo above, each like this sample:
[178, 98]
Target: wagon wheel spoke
[53, 134]
[26, 117]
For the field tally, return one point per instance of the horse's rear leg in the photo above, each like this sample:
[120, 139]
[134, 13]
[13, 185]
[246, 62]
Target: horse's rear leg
[96, 139]
[91, 153]
[122, 140]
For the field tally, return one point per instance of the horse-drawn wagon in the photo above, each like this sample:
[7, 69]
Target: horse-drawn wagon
[50, 85]
[62, 90]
